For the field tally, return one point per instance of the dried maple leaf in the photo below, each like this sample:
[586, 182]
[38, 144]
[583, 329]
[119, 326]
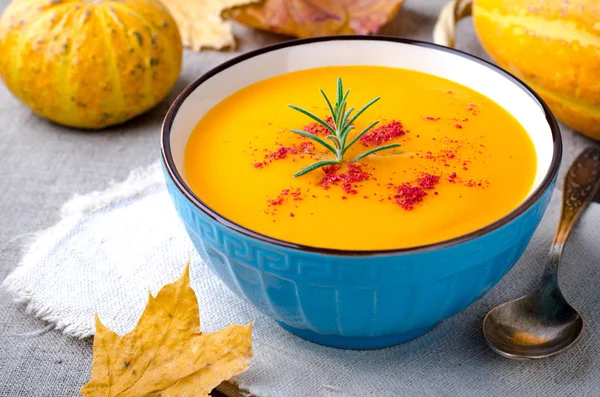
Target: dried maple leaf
[306, 18]
[166, 354]
[200, 23]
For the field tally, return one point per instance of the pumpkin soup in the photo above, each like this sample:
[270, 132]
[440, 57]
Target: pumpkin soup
[428, 161]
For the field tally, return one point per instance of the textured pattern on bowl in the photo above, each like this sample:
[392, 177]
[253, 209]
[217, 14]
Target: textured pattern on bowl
[375, 301]
[358, 299]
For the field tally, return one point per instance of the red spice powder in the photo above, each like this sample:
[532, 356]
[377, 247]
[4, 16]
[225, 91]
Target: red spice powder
[458, 126]
[431, 118]
[307, 147]
[472, 107]
[408, 195]
[428, 181]
[474, 183]
[382, 134]
[348, 180]
[318, 129]
[296, 195]
[281, 153]
[330, 175]
[440, 157]
[452, 177]
[279, 199]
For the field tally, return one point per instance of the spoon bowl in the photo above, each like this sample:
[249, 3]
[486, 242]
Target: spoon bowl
[520, 329]
[542, 323]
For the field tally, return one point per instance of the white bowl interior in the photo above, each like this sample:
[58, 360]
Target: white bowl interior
[437, 62]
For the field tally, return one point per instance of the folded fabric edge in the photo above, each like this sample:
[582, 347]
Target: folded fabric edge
[139, 181]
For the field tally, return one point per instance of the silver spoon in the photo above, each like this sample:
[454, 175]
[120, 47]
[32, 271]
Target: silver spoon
[542, 323]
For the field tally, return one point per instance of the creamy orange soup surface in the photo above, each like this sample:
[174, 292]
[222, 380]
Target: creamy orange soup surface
[464, 161]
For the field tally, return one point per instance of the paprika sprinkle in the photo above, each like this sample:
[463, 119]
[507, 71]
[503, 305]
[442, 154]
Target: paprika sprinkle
[384, 133]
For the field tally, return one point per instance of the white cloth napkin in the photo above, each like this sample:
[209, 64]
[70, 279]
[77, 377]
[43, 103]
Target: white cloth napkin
[111, 247]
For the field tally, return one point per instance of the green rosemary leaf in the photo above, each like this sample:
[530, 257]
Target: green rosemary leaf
[316, 139]
[357, 137]
[335, 140]
[346, 94]
[340, 120]
[315, 166]
[362, 110]
[336, 117]
[328, 103]
[346, 115]
[340, 130]
[312, 116]
[345, 134]
[377, 149]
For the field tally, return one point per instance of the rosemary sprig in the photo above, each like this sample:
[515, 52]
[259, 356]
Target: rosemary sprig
[342, 125]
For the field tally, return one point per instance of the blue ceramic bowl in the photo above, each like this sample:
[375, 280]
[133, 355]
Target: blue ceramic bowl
[359, 299]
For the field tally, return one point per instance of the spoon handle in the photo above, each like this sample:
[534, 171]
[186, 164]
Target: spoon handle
[581, 185]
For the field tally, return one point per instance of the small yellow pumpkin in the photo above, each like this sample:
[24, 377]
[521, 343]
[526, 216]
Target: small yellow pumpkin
[89, 63]
[553, 45]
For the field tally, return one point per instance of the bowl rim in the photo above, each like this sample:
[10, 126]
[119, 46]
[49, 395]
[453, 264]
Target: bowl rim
[180, 184]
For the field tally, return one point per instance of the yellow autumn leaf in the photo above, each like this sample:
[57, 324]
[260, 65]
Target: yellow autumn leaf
[166, 354]
[307, 18]
[200, 23]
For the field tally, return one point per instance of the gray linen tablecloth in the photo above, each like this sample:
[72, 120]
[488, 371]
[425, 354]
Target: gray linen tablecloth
[42, 165]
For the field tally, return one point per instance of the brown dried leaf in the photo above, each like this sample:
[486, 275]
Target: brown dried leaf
[166, 354]
[200, 22]
[307, 18]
